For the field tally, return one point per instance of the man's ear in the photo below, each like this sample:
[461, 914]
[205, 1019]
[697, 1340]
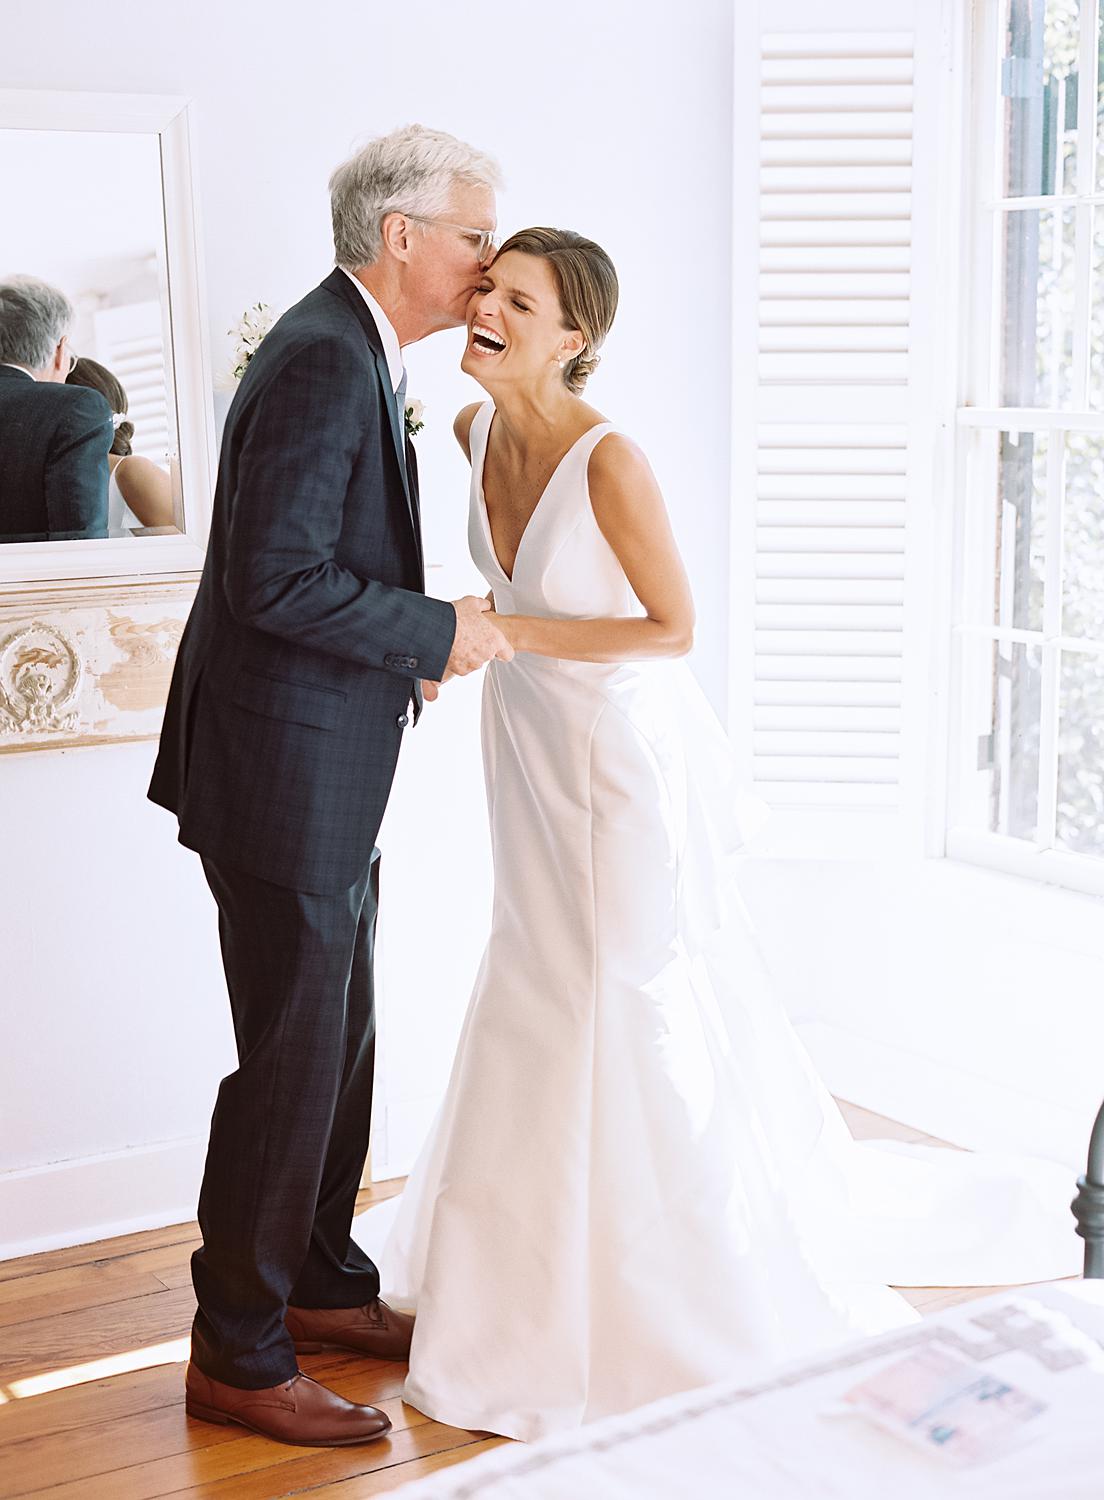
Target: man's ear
[395, 232]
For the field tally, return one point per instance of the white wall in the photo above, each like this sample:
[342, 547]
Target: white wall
[609, 117]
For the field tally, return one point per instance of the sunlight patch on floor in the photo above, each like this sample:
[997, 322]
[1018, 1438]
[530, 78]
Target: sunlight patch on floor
[175, 1351]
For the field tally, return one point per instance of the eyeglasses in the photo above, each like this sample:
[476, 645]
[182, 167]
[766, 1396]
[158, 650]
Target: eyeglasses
[74, 360]
[482, 240]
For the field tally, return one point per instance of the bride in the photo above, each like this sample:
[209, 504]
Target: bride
[636, 1183]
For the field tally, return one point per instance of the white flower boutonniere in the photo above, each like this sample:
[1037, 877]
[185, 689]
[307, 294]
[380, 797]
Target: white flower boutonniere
[414, 423]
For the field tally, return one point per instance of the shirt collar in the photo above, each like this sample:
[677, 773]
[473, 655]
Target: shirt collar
[387, 334]
[7, 365]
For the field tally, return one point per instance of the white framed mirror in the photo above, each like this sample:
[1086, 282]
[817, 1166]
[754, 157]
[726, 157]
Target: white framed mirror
[102, 208]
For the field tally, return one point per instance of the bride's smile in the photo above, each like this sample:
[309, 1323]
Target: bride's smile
[515, 322]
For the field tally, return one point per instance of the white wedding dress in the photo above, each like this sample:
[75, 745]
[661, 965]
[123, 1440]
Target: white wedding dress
[636, 1183]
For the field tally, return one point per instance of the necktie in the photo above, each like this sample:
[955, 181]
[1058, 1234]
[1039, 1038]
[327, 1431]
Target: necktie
[400, 400]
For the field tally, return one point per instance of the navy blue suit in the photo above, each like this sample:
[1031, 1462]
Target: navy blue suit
[289, 697]
[54, 441]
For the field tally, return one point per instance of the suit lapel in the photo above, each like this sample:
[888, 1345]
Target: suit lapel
[338, 283]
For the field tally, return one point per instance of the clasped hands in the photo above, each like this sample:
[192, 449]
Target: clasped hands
[479, 639]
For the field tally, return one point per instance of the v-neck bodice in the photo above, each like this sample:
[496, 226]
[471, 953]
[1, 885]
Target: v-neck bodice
[563, 567]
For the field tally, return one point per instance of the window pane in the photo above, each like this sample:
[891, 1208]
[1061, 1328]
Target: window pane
[1083, 537]
[1081, 753]
[1096, 309]
[1021, 530]
[1039, 86]
[1037, 314]
[1000, 719]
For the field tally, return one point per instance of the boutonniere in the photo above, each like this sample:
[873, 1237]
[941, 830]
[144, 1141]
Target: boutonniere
[414, 423]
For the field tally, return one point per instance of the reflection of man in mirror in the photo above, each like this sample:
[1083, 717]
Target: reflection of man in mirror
[54, 438]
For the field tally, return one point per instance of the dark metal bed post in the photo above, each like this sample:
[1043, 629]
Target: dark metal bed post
[1088, 1206]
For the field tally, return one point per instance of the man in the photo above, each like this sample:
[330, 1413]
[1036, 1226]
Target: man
[54, 438]
[293, 685]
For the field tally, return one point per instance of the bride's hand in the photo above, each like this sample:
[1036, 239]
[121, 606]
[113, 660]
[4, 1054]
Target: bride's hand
[508, 626]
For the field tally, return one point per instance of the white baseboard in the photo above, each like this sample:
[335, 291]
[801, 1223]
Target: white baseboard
[955, 1104]
[99, 1197]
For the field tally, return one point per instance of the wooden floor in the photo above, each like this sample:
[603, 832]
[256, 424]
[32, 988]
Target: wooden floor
[92, 1345]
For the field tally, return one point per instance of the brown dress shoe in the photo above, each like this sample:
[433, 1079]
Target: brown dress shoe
[373, 1329]
[300, 1411]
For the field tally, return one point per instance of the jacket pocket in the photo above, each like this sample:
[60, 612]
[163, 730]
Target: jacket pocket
[291, 702]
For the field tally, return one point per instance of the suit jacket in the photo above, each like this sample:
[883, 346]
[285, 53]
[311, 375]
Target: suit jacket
[54, 441]
[295, 672]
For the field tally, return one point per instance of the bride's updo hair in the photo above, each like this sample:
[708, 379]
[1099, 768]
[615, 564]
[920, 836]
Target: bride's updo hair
[587, 285]
[91, 373]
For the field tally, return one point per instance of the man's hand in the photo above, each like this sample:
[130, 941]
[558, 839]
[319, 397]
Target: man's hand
[429, 690]
[478, 640]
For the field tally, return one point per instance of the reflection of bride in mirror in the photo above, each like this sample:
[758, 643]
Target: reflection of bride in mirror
[139, 493]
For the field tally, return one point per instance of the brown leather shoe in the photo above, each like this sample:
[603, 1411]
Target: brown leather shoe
[373, 1329]
[300, 1411]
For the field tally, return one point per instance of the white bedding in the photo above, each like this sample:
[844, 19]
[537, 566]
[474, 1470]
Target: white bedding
[779, 1439]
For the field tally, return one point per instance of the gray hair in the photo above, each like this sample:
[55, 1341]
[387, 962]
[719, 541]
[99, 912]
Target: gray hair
[34, 318]
[412, 170]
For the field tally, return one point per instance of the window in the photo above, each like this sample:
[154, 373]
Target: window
[1027, 783]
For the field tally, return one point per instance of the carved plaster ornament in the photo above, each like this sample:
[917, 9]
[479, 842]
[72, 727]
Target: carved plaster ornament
[40, 676]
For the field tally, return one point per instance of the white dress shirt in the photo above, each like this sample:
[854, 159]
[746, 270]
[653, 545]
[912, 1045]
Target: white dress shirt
[387, 334]
[7, 365]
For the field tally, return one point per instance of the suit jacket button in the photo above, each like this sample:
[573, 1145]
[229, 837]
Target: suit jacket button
[403, 720]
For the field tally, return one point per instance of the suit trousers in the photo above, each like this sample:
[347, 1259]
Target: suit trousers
[290, 1127]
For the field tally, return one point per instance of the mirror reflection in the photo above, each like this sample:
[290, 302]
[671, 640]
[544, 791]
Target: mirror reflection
[88, 442]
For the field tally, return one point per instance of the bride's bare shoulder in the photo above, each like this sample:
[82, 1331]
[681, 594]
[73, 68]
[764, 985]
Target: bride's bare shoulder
[462, 427]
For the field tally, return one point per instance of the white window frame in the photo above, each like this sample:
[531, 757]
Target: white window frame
[977, 264]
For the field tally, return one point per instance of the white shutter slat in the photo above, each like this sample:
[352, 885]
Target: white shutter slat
[871, 746]
[831, 506]
[813, 152]
[859, 233]
[873, 313]
[823, 462]
[797, 693]
[842, 123]
[838, 670]
[828, 617]
[833, 369]
[858, 592]
[803, 540]
[818, 794]
[848, 513]
[813, 564]
[829, 337]
[825, 768]
[836, 44]
[868, 72]
[821, 284]
[806, 717]
[807, 644]
[834, 258]
[783, 207]
[821, 183]
[794, 436]
[837, 484]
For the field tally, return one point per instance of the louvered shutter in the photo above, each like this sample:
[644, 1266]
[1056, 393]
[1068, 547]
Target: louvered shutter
[832, 436]
[130, 342]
